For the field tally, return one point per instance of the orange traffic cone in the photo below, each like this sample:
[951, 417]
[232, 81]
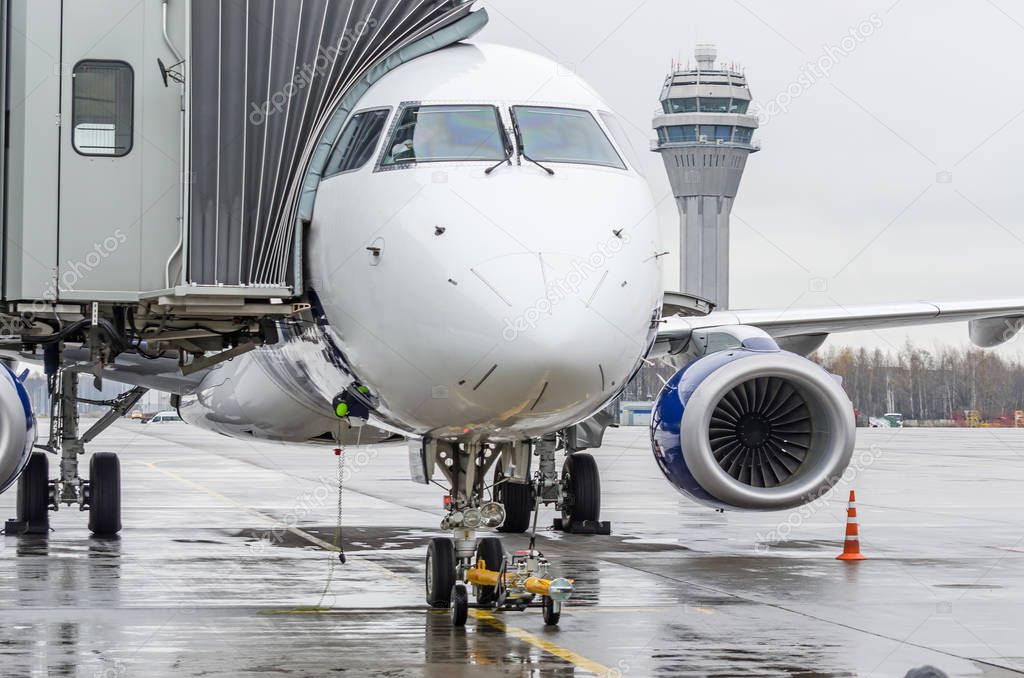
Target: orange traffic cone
[851, 548]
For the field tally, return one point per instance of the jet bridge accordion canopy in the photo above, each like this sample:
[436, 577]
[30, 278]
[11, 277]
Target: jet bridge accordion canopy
[270, 84]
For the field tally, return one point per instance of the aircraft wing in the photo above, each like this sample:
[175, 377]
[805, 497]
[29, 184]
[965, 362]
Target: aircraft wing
[991, 322]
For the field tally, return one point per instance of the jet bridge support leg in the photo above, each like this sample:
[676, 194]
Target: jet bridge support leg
[101, 493]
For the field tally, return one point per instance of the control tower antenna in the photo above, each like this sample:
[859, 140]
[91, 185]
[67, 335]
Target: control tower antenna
[704, 136]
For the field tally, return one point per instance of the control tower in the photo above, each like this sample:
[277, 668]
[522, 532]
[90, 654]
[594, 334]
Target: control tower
[704, 136]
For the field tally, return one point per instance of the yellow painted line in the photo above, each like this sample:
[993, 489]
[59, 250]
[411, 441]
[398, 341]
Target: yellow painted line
[551, 648]
[271, 519]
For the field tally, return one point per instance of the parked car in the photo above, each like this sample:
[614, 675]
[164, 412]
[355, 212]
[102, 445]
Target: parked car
[164, 417]
[136, 415]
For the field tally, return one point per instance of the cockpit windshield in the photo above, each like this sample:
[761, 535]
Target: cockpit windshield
[446, 134]
[564, 135]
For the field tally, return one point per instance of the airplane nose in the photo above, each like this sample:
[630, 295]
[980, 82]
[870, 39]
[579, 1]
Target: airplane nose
[568, 329]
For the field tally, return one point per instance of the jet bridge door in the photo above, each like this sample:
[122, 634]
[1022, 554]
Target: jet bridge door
[119, 154]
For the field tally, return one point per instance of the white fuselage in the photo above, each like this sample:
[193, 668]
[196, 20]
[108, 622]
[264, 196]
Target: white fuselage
[495, 306]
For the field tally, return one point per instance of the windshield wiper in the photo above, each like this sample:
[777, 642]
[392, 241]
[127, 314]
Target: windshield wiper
[522, 144]
[509, 151]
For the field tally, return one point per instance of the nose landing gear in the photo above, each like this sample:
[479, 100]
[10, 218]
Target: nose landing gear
[498, 580]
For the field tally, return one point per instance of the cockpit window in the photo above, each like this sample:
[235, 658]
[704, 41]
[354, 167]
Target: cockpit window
[445, 134]
[614, 125]
[564, 135]
[357, 142]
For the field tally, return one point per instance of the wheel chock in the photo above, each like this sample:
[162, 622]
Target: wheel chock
[15, 528]
[583, 526]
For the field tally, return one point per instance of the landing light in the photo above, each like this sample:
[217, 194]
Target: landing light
[493, 514]
[472, 518]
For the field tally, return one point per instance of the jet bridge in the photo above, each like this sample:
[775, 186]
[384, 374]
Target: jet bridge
[163, 157]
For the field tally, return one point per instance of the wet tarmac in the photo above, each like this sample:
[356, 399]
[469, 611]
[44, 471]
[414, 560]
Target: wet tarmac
[223, 569]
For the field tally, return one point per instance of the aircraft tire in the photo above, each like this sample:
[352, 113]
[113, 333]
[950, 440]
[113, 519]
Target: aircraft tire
[518, 501]
[104, 494]
[439, 577]
[581, 481]
[34, 494]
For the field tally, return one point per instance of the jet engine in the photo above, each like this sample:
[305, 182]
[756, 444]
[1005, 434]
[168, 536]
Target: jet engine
[753, 427]
[17, 428]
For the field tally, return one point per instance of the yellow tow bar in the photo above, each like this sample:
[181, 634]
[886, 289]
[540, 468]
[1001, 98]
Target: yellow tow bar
[559, 589]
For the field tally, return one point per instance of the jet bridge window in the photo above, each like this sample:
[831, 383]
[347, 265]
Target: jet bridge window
[564, 135]
[357, 142]
[103, 108]
[445, 134]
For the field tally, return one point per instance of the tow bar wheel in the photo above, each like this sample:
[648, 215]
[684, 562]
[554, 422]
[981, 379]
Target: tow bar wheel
[490, 551]
[460, 604]
[552, 611]
[440, 572]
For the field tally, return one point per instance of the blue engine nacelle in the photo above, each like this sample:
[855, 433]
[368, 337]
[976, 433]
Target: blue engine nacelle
[753, 429]
[17, 428]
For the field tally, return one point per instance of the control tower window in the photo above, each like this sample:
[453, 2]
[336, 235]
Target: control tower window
[357, 142]
[723, 133]
[680, 133]
[445, 134]
[739, 106]
[103, 108]
[743, 135]
[564, 135]
[682, 105]
[714, 104]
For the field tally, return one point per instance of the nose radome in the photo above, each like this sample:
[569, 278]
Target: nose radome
[555, 350]
[548, 295]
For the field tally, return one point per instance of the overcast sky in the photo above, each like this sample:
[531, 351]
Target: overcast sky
[895, 177]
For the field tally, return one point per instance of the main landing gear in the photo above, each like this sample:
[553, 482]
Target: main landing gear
[100, 494]
[464, 562]
[575, 493]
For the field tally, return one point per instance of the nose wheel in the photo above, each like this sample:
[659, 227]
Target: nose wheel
[440, 572]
